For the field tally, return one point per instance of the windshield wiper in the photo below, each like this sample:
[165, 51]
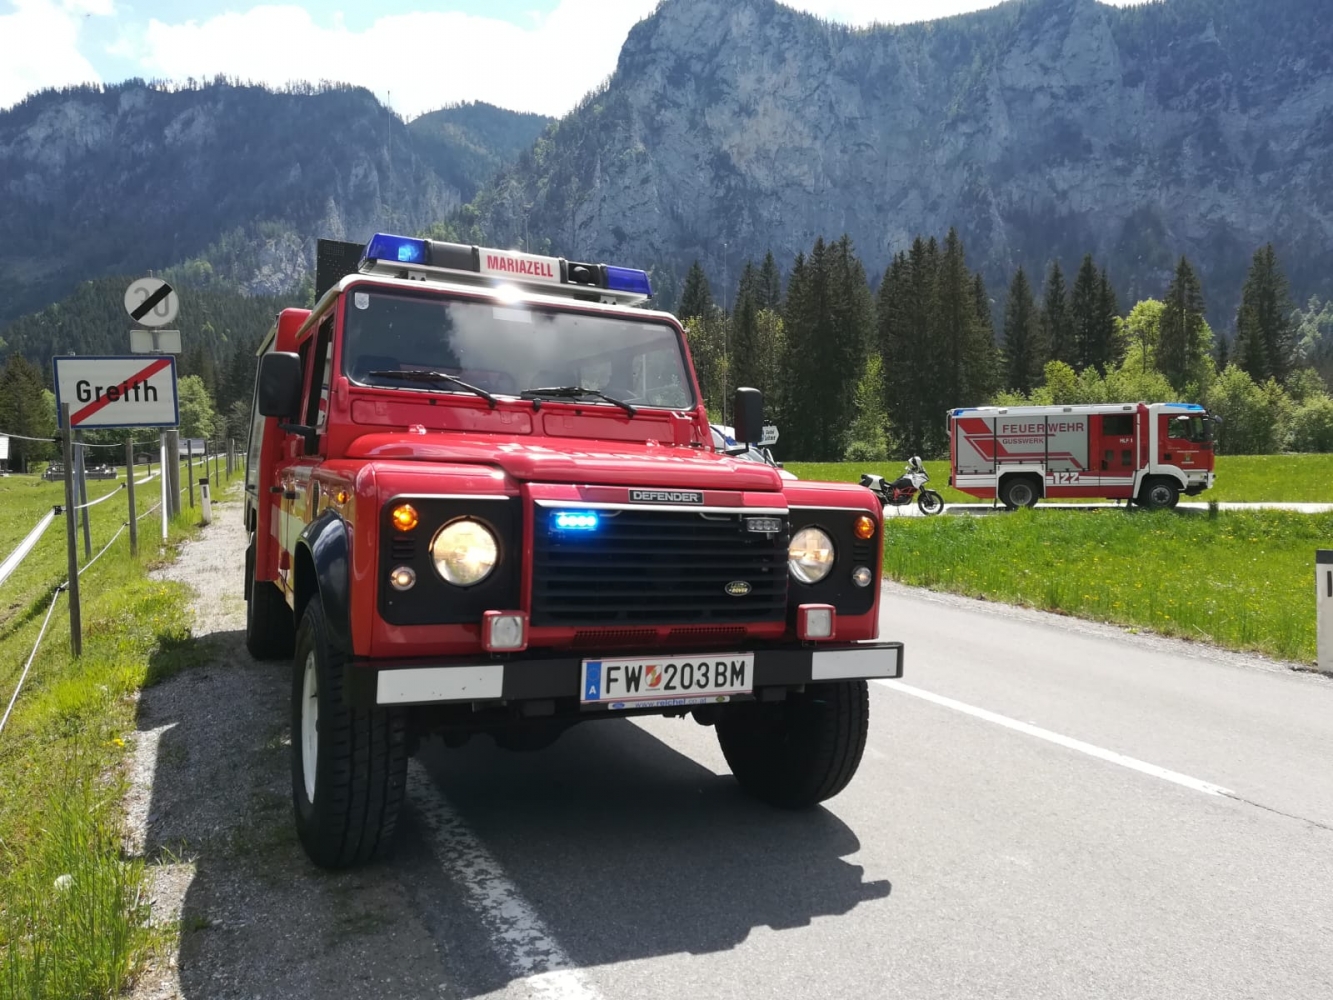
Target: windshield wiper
[574, 392]
[426, 375]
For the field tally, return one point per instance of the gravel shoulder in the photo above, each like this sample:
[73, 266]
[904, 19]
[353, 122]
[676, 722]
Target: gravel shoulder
[245, 913]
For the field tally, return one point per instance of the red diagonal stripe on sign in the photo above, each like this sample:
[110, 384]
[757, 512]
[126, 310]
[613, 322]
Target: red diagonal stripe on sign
[78, 416]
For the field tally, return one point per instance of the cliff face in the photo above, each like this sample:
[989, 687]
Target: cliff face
[128, 178]
[1041, 129]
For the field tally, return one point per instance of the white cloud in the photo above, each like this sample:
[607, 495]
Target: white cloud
[40, 47]
[416, 60]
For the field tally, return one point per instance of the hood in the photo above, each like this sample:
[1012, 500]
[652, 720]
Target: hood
[578, 461]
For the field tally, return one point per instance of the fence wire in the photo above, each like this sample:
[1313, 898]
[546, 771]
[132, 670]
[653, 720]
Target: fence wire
[31, 656]
[15, 558]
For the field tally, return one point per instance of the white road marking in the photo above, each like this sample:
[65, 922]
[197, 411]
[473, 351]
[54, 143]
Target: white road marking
[1208, 788]
[517, 933]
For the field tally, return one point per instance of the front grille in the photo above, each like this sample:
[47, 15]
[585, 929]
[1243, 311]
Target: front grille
[642, 567]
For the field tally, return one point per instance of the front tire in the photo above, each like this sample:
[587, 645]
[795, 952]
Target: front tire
[797, 753]
[930, 502]
[269, 633]
[1159, 494]
[349, 765]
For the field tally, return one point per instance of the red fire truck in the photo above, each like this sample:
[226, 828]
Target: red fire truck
[483, 497]
[1149, 453]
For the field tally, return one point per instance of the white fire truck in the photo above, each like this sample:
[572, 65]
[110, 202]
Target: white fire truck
[1149, 453]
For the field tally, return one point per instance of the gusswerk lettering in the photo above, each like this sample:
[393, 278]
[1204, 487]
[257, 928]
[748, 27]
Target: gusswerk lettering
[519, 265]
[127, 391]
[1068, 427]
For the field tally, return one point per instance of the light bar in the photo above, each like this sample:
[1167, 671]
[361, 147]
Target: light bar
[576, 520]
[390, 255]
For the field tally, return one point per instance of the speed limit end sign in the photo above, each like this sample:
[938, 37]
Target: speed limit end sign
[151, 301]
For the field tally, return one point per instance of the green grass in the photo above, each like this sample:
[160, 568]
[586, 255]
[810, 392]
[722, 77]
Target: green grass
[1240, 478]
[1241, 579]
[72, 913]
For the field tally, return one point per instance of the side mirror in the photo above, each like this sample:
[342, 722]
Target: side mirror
[747, 410]
[279, 384]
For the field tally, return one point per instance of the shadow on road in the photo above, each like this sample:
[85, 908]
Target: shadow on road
[625, 848]
[629, 850]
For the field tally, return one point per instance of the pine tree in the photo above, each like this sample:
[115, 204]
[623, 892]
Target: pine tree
[798, 318]
[956, 318]
[1023, 353]
[1265, 336]
[24, 411]
[743, 354]
[1057, 332]
[1108, 323]
[768, 290]
[907, 313]
[1180, 350]
[983, 356]
[1083, 315]
[696, 299]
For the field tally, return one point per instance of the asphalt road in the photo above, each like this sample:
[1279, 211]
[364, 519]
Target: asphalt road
[1046, 809]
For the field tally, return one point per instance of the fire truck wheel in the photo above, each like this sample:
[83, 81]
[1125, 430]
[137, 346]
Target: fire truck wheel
[1159, 494]
[1019, 491]
[799, 752]
[269, 634]
[349, 765]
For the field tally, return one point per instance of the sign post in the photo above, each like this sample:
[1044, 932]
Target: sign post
[1323, 584]
[166, 485]
[129, 487]
[189, 469]
[81, 469]
[71, 546]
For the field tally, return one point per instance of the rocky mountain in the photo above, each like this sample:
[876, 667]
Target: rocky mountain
[220, 184]
[1040, 128]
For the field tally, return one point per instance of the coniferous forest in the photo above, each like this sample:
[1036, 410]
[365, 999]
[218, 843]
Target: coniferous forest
[852, 366]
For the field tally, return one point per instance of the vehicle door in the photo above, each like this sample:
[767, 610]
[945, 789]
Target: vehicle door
[303, 453]
[1116, 448]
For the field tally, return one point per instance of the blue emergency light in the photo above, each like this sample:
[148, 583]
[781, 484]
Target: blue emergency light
[628, 279]
[404, 249]
[576, 520]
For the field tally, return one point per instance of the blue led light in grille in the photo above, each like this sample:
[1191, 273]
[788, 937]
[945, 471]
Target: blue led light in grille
[575, 520]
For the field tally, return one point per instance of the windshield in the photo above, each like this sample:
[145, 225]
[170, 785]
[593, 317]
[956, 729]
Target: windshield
[505, 349]
[1196, 429]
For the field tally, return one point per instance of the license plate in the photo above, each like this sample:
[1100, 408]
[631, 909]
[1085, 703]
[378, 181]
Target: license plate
[667, 680]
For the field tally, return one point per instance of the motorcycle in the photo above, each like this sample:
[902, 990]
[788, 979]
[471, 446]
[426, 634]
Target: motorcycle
[902, 490]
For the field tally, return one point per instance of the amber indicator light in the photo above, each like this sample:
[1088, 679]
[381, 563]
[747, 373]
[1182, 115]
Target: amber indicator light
[405, 517]
[865, 527]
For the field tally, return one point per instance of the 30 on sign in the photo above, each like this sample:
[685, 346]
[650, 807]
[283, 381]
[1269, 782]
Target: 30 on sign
[639, 679]
[135, 391]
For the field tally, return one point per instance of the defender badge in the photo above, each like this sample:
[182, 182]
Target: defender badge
[737, 588]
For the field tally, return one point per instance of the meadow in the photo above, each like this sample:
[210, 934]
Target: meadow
[72, 906]
[1241, 579]
[1240, 478]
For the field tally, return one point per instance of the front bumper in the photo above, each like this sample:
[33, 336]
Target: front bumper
[537, 675]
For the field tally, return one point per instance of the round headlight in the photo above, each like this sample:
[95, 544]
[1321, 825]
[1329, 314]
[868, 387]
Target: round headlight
[810, 555]
[465, 552]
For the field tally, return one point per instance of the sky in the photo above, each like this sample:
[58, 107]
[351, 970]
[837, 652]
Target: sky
[415, 55]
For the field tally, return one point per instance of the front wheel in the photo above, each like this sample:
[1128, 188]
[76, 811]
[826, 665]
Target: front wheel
[930, 502]
[797, 753]
[1160, 494]
[349, 765]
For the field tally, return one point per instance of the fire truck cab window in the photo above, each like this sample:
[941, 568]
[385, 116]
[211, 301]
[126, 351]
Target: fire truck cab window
[507, 349]
[1189, 429]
